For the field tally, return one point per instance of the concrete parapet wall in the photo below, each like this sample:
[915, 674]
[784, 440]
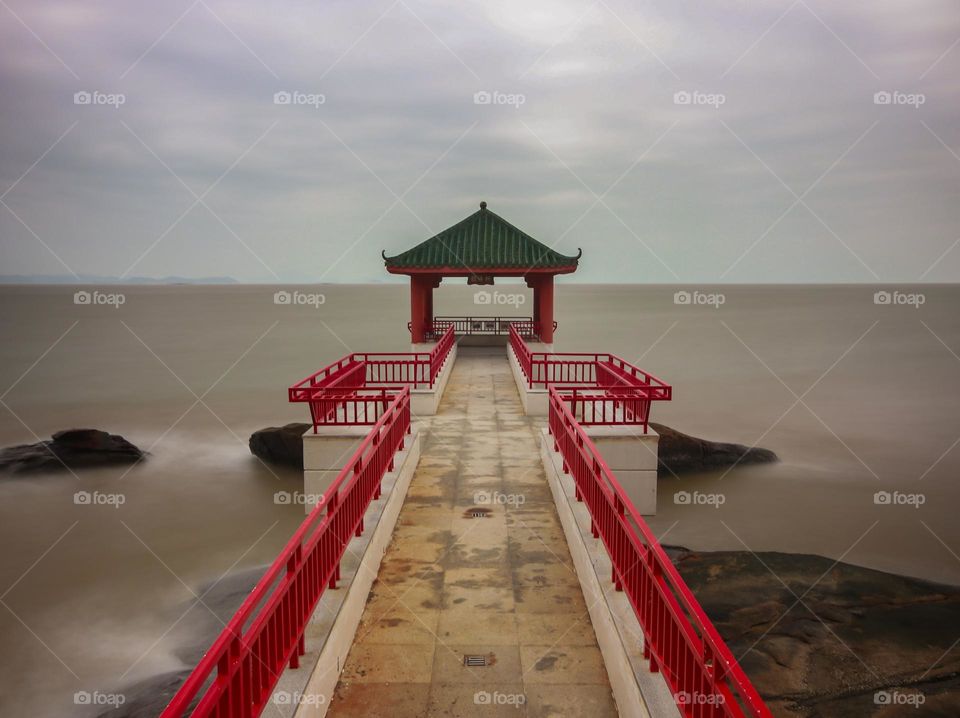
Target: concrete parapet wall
[534, 401]
[632, 456]
[425, 402]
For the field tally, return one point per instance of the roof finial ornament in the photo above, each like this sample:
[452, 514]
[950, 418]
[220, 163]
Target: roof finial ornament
[483, 204]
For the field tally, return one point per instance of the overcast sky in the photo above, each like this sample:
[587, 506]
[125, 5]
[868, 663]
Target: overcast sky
[775, 163]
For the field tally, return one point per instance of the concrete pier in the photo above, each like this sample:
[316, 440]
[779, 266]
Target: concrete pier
[478, 567]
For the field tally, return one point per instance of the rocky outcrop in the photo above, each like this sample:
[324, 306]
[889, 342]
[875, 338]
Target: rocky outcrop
[73, 449]
[195, 631]
[681, 453]
[821, 639]
[280, 444]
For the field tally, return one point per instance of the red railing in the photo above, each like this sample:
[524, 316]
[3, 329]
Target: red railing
[610, 405]
[418, 369]
[486, 326]
[237, 675]
[347, 406]
[481, 326]
[541, 369]
[679, 639]
[347, 378]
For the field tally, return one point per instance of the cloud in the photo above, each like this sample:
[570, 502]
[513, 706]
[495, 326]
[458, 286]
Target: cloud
[294, 188]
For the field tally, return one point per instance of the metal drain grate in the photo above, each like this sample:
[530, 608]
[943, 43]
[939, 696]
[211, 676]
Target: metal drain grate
[475, 661]
[477, 512]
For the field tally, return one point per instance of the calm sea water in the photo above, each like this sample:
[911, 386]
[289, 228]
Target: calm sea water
[856, 397]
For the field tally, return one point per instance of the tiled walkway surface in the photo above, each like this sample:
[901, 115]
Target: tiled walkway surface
[501, 586]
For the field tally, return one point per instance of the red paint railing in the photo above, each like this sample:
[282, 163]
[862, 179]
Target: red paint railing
[485, 326]
[419, 369]
[679, 639]
[371, 370]
[237, 675]
[610, 405]
[481, 326]
[346, 405]
[541, 369]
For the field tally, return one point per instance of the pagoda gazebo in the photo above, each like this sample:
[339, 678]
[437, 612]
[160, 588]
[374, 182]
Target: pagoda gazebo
[481, 247]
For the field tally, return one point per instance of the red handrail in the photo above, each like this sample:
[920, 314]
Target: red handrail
[237, 675]
[679, 639]
[610, 405]
[597, 369]
[347, 405]
[378, 369]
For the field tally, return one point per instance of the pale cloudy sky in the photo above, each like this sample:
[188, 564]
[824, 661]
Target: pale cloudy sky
[776, 165]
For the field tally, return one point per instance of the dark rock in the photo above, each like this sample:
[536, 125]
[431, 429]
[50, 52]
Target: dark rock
[280, 444]
[148, 698]
[75, 448]
[195, 631]
[681, 453]
[855, 632]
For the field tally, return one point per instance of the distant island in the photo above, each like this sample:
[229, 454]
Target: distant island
[97, 279]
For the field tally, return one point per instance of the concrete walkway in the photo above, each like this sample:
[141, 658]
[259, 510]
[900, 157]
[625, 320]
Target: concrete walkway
[500, 587]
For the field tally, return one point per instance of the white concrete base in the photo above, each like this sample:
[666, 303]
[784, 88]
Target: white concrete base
[425, 402]
[633, 457]
[638, 692]
[305, 692]
[535, 402]
[324, 454]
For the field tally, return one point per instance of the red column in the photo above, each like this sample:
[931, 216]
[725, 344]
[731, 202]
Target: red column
[428, 307]
[417, 309]
[545, 303]
[534, 283]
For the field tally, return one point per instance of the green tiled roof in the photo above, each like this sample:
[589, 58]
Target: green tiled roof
[484, 240]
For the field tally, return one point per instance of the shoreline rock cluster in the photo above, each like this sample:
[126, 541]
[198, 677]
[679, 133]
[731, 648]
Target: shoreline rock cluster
[70, 449]
[681, 453]
[823, 639]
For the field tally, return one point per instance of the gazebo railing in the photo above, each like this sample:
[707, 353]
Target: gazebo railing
[481, 326]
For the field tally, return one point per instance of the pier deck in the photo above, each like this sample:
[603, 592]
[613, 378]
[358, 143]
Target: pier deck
[501, 586]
